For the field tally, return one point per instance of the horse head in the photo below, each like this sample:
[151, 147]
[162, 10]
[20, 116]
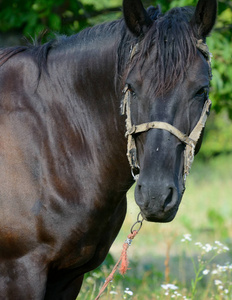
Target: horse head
[166, 98]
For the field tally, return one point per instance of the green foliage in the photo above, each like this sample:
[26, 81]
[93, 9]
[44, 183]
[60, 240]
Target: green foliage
[218, 135]
[217, 222]
[33, 16]
[221, 46]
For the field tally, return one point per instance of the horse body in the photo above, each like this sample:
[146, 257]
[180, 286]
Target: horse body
[63, 169]
[50, 155]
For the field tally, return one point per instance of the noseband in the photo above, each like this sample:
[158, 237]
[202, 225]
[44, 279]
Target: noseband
[190, 141]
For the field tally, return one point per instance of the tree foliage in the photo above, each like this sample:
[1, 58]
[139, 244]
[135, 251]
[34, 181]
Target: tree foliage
[33, 16]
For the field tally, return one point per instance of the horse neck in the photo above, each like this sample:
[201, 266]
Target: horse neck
[95, 64]
[93, 71]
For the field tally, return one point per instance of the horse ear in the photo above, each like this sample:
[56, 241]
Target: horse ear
[205, 16]
[136, 17]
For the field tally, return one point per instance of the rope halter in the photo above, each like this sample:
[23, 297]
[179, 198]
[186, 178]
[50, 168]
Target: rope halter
[190, 141]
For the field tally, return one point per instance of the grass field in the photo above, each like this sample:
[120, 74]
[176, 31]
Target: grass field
[188, 258]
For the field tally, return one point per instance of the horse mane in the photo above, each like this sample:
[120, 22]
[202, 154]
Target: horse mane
[40, 52]
[171, 43]
[7, 53]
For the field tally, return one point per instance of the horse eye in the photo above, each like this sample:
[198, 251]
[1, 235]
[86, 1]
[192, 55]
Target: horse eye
[202, 92]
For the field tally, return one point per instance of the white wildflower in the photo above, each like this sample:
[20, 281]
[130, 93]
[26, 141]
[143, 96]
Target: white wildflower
[222, 247]
[169, 286]
[205, 272]
[217, 282]
[218, 243]
[113, 293]
[198, 244]
[208, 248]
[177, 294]
[220, 287]
[187, 237]
[222, 268]
[127, 291]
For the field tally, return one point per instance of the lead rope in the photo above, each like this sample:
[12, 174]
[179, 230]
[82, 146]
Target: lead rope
[123, 257]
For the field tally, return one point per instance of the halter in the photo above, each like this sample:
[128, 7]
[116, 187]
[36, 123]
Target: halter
[190, 141]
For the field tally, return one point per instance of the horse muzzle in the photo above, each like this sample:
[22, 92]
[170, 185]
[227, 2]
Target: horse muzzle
[157, 204]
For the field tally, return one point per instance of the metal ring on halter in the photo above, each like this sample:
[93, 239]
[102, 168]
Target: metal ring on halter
[136, 177]
[140, 222]
[140, 214]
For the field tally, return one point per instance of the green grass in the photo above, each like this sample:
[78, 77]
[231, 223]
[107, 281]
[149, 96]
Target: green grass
[206, 214]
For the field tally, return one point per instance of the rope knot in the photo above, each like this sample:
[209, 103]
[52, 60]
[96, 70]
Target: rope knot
[124, 258]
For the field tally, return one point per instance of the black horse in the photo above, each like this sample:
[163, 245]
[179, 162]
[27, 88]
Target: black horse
[64, 172]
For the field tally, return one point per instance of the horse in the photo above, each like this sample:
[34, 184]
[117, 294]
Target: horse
[64, 172]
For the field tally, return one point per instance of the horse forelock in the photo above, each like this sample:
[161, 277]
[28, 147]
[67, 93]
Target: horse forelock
[168, 48]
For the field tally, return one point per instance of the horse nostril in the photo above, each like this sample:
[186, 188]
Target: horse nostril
[141, 195]
[168, 201]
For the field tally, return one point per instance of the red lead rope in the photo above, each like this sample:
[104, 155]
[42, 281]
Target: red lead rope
[123, 258]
